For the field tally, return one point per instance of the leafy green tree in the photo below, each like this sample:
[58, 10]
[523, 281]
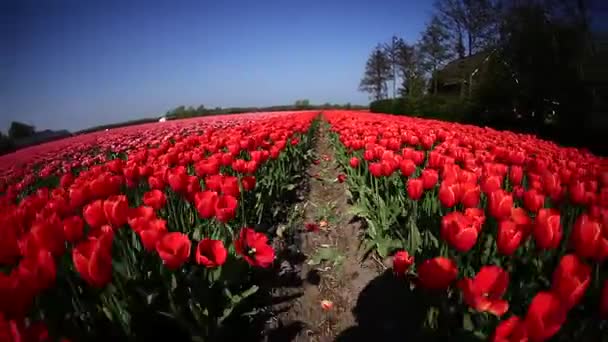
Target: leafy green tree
[20, 130]
[434, 48]
[377, 73]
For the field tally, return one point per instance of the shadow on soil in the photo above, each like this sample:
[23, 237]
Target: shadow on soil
[388, 310]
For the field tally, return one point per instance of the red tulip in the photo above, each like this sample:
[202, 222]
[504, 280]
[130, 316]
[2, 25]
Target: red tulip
[94, 215]
[516, 175]
[509, 237]
[93, 261]
[547, 229]
[414, 188]
[471, 195]
[47, 234]
[512, 329]
[589, 239]
[174, 249]
[205, 203]
[484, 292]
[429, 178]
[38, 269]
[533, 200]
[491, 184]
[407, 167]
[402, 261]
[248, 182]
[178, 179]
[500, 204]
[577, 192]
[354, 162]
[449, 194]
[437, 273]
[73, 228]
[459, 231]
[230, 186]
[214, 182]
[155, 199]
[211, 253]
[545, 316]
[376, 169]
[341, 178]
[570, 280]
[225, 208]
[254, 248]
[150, 232]
[116, 209]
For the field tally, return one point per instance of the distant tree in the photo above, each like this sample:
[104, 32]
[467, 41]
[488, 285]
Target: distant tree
[410, 70]
[301, 104]
[434, 48]
[6, 145]
[377, 73]
[471, 24]
[391, 50]
[20, 130]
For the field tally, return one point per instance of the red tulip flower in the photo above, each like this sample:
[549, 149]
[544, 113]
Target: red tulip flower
[155, 199]
[471, 195]
[429, 178]
[533, 200]
[571, 279]
[341, 178]
[547, 229]
[449, 194]
[225, 208]
[545, 316]
[354, 162]
[589, 239]
[414, 188]
[500, 204]
[312, 227]
[509, 237]
[254, 248]
[407, 167]
[484, 292]
[150, 232]
[248, 182]
[512, 329]
[205, 203]
[402, 261]
[211, 253]
[116, 209]
[73, 228]
[174, 249]
[459, 231]
[94, 215]
[93, 260]
[437, 273]
[230, 186]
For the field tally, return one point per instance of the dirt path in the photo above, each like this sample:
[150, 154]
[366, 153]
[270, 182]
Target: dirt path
[328, 261]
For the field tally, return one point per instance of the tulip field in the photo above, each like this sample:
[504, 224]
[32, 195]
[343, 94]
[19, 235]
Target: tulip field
[165, 226]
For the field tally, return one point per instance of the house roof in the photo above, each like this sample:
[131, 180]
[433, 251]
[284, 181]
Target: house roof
[456, 70]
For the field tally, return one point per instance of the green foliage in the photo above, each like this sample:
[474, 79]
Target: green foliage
[377, 73]
[439, 107]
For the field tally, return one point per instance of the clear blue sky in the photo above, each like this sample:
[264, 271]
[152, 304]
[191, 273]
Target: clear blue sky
[68, 65]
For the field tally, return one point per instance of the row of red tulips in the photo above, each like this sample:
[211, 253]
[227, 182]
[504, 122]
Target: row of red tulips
[141, 230]
[501, 224]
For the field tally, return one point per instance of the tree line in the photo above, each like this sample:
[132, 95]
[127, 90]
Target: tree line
[525, 65]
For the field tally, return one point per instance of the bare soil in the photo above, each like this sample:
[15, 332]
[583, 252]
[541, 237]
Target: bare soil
[322, 265]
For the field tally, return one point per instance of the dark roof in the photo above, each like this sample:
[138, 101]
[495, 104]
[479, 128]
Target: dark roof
[455, 70]
[41, 137]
